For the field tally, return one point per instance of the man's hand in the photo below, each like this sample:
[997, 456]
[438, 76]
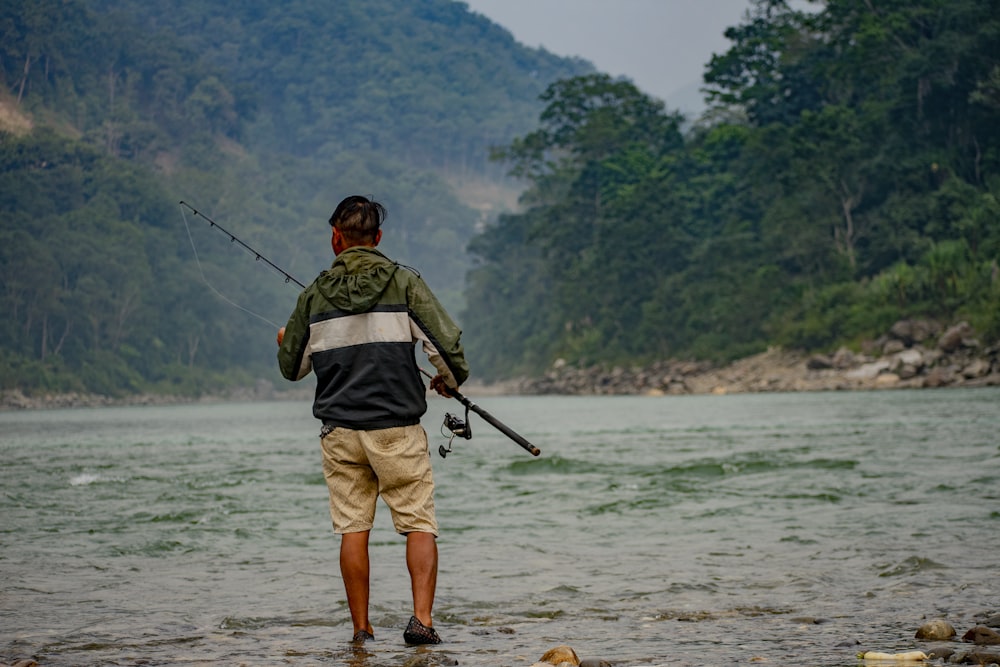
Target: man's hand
[281, 335]
[438, 385]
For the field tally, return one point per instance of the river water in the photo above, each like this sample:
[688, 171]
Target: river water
[782, 529]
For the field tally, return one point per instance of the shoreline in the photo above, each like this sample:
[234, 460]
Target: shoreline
[913, 355]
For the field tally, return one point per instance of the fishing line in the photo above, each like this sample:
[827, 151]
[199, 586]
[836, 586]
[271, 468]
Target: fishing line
[232, 238]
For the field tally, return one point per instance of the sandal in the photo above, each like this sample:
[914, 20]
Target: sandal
[418, 633]
[361, 636]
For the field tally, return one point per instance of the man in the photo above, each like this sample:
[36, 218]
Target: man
[356, 327]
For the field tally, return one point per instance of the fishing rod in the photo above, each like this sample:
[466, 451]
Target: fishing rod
[463, 430]
[457, 427]
[289, 278]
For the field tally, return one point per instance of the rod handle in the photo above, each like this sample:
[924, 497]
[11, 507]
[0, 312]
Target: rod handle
[496, 423]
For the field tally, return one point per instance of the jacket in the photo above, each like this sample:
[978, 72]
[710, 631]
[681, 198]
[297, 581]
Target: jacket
[356, 327]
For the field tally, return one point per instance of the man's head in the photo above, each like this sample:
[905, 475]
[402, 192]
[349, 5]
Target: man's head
[357, 220]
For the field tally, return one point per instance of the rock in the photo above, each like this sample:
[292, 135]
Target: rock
[982, 636]
[940, 376]
[913, 331]
[892, 346]
[560, 655]
[936, 630]
[886, 380]
[902, 331]
[992, 621]
[819, 362]
[956, 337]
[991, 380]
[867, 371]
[843, 358]
[940, 653]
[931, 357]
[978, 368]
[593, 662]
[977, 657]
[912, 357]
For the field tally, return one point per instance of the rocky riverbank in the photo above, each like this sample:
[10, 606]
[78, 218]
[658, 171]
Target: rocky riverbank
[913, 354]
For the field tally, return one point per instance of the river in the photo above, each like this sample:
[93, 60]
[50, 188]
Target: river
[783, 529]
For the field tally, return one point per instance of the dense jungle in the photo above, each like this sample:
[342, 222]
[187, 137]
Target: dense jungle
[845, 176]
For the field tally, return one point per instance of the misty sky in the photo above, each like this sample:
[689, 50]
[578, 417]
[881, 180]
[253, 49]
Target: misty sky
[662, 45]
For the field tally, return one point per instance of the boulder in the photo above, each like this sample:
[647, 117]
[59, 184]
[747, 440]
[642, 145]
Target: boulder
[819, 362]
[976, 657]
[913, 331]
[982, 636]
[936, 630]
[911, 357]
[868, 371]
[957, 337]
[940, 653]
[940, 376]
[977, 368]
[843, 358]
[892, 346]
[559, 655]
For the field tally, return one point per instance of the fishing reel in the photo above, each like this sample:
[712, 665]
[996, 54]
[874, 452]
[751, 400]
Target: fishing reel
[459, 428]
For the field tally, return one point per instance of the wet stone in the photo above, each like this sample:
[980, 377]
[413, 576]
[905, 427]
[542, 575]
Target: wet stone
[936, 630]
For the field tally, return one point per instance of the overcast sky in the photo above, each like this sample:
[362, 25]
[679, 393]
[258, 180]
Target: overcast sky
[661, 45]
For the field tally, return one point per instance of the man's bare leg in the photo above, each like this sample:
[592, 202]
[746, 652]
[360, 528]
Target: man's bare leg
[422, 562]
[355, 569]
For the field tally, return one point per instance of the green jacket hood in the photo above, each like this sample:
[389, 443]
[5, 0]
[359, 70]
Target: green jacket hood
[357, 279]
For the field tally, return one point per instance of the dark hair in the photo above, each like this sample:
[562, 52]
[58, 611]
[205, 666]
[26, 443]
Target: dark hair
[358, 218]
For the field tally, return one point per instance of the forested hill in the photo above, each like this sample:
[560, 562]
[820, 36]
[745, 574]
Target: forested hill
[846, 176]
[262, 115]
[426, 82]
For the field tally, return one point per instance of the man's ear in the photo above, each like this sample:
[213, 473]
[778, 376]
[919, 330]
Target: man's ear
[378, 237]
[336, 241]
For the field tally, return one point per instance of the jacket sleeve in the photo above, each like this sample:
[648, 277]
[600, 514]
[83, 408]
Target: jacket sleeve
[293, 359]
[440, 336]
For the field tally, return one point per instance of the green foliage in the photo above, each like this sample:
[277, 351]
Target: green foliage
[261, 115]
[845, 177]
[848, 174]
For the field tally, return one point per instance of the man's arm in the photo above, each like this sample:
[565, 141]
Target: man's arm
[439, 334]
[293, 340]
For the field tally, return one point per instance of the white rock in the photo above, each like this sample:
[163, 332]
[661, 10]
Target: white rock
[867, 371]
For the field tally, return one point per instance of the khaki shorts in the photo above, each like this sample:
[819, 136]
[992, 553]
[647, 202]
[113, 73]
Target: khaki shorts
[394, 463]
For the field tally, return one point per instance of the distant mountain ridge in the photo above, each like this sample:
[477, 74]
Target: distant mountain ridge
[428, 82]
[261, 114]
